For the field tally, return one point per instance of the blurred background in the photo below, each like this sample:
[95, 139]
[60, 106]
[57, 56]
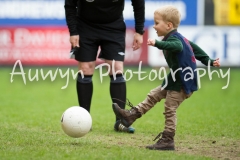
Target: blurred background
[35, 31]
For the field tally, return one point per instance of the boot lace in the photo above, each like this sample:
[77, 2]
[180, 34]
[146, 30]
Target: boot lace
[127, 102]
[159, 136]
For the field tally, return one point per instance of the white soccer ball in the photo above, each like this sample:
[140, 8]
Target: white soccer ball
[76, 121]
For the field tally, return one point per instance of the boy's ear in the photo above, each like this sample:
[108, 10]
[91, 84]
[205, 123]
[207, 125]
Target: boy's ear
[170, 25]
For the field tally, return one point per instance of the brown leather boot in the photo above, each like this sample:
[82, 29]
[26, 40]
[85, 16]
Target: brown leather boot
[127, 117]
[166, 142]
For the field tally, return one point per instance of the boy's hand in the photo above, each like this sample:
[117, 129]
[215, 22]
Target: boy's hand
[151, 42]
[216, 63]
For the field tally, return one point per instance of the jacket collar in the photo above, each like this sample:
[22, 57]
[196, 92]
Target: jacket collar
[169, 34]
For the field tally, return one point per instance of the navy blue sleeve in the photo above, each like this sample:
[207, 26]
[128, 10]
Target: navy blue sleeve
[71, 16]
[139, 15]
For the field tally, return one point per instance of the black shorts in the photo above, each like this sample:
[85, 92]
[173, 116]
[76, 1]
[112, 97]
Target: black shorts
[110, 38]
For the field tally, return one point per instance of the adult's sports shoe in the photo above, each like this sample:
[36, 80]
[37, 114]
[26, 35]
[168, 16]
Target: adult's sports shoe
[127, 117]
[121, 128]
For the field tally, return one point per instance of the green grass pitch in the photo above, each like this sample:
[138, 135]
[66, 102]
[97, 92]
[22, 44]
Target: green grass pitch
[208, 122]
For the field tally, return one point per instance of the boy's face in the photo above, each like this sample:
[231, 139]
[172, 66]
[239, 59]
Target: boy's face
[162, 27]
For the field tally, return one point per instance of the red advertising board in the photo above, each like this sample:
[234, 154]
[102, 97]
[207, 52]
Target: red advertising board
[50, 46]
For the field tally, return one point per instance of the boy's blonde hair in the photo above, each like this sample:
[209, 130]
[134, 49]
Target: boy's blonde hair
[169, 14]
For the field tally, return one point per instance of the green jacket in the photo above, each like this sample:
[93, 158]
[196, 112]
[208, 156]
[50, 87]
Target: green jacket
[172, 46]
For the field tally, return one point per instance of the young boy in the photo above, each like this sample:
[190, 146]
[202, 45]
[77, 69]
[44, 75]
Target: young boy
[180, 55]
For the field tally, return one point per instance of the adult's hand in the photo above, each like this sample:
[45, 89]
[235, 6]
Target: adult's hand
[74, 40]
[137, 41]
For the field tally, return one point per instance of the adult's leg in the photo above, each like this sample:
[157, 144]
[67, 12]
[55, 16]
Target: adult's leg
[117, 83]
[118, 92]
[84, 84]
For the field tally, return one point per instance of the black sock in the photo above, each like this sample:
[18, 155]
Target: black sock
[118, 91]
[85, 91]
